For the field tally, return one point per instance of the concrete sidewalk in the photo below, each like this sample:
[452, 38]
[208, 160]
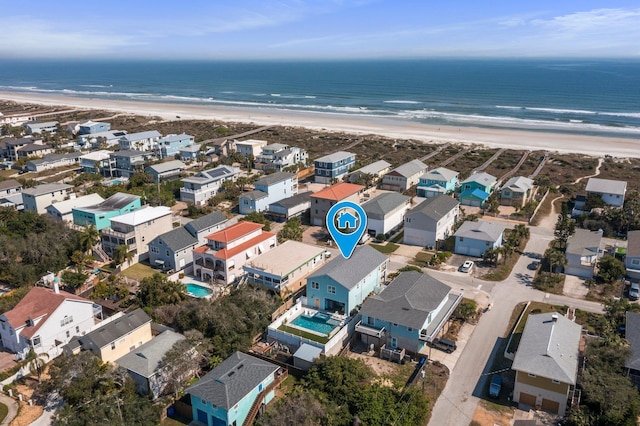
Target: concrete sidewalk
[12, 405]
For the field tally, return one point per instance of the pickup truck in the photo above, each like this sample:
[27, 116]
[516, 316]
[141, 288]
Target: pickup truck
[495, 386]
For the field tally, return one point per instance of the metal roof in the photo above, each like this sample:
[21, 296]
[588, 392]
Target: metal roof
[335, 157]
[146, 214]
[117, 201]
[606, 186]
[131, 137]
[66, 206]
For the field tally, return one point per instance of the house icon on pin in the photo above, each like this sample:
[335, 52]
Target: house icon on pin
[347, 220]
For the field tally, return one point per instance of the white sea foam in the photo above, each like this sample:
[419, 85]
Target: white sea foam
[399, 101]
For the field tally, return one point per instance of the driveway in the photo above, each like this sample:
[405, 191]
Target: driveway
[12, 405]
[575, 287]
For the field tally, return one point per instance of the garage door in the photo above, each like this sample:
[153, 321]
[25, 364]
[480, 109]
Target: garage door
[550, 406]
[469, 251]
[527, 399]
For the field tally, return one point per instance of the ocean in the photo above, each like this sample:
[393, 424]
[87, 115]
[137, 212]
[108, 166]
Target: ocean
[575, 96]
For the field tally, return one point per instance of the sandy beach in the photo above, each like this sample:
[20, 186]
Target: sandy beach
[393, 128]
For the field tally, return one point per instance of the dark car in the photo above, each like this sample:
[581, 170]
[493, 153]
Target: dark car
[533, 265]
[445, 345]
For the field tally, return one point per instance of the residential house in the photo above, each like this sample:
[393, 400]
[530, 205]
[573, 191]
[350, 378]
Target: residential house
[582, 253]
[375, 170]
[52, 161]
[39, 127]
[135, 230]
[474, 238]
[190, 152]
[516, 192]
[10, 146]
[324, 199]
[291, 207]
[170, 145]
[333, 167]
[141, 141]
[234, 391]
[101, 139]
[385, 213]
[34, 150]
[431, 221]
[205, 225]
[125, 163]
[408, 314]
[249, 147]
[632, 334]
[95, 161]
[343, 284]
[268, 189]
[99, 215]
[284, 269]
[63, 210]
[45, 320]
[229, 249]
[632, 257]
[119, 335]
[546, 362]
[278, 156]
[38, 198]
[10, 187]
[405, 176]
[144, 363]
[166, 171]
[476, 189]
[203, 185]
[89, 127]
[611, 191]
[437, 182]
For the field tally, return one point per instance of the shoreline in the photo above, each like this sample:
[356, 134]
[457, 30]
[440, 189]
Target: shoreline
[333, 122]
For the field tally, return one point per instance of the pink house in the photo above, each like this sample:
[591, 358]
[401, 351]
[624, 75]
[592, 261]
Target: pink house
[227, 251]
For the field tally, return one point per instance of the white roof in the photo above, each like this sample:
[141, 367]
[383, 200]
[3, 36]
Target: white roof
[141, 216]
[65, 207]
[96, 155]
[252, 142]
[606, 186]
[285, 258]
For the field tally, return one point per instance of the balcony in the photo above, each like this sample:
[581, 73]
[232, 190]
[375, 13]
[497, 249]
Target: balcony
[370, 330]
[125, 236]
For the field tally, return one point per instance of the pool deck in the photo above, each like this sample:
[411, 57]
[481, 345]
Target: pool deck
[218, 290]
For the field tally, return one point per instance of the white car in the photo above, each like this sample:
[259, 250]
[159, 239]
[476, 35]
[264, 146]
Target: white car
[467, 266]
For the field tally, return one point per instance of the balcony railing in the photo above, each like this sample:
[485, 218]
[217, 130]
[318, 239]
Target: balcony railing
[121, 235]
[370, 330]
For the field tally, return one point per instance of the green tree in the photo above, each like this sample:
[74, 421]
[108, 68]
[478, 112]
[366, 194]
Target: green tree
[182, 362]
[140, 179]
[292, 230]
[565, 227]
[37, 364]
[77, 259]
[122, 254]
[89, 237]
[466, 310]
[554, 258]
[491, 255]
[74, 280]
[158, 290]
[257, 217]
[610, 269]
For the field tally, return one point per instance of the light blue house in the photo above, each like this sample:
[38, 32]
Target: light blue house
[333, 166]
[190, 153]
[474, 238]
[342, 285]
[268, 189]
[171, 145]
[235, 391]
[99, 215]
[476, 189]
[91, 127]
[409, 313]
[436, 182]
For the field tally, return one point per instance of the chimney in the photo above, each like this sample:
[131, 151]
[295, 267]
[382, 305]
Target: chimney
[554, 317]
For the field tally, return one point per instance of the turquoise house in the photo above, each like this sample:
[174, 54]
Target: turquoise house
[342, 285]
[436, 182]
[235, 391]
[474, 197]
[100, 214]
[408, 314]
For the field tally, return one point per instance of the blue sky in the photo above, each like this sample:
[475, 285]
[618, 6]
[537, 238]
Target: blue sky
[318, 29]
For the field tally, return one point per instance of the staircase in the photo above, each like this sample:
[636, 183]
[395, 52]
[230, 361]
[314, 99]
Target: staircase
[100, 254]
[281, 374]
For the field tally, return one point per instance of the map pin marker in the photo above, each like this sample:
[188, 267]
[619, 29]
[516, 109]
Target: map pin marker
[346, 222]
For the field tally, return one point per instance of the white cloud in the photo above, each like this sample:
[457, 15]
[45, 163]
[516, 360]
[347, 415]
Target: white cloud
[596, 19]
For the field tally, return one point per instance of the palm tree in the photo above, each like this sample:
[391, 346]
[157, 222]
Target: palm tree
[121, 254]
[555, 258]
[88, 238]
[37, 364]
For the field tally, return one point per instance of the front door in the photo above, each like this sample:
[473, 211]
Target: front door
[317, 304]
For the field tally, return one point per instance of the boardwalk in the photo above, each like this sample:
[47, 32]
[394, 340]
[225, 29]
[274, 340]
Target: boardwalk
[493, 158]
[455, 157]
[236, 136]
[516, 168]
[540, 166]
[436, 152]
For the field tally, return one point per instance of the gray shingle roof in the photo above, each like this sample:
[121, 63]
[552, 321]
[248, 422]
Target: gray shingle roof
[129, 153]
[303, 197]
[373, 168]
[410, 168]
[46, 188]
[349, 272]
[482, 178]
[519, 184]
[10, 184]
[549, 348]
[633, 244]
[168, 166]
[480, 230]
[632, 334]
[55, 157]
[114, 330]
[274, 178]
[384, 204]
[147, 359]
[176, 239]
[253, 195]
[232, 380]
[408, 300]
[142, 135]
[583, 242]
[606, 186]
[435, 208]
[205, 222]
[336, 156]
[441, 174]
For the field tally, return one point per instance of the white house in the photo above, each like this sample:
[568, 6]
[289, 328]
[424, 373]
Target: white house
[385, 212]
[611, 191]
[45, 320]
[250, 147]
[141, 141]
[268, 189]
[38, 198]
[632, 257]
[431, 221]
[63, 210]
[203, 185]
[583, 252]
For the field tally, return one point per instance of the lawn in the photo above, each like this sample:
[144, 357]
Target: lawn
[4, 410]
[386, 248]
[301, 333]
[8, 173]
[172, 422]
[139, 271]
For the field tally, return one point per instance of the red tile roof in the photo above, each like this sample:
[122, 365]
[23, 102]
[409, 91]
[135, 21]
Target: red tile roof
[338, 192]
[234, 232]
[228, 253]
[39, 302]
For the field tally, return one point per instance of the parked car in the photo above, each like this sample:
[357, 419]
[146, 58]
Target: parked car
[495, 386]
[445, 345]
[467, 266]
[634, 291]
[533, 265]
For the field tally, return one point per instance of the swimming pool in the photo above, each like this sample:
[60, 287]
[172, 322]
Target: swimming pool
[319, 322]
[196, 290]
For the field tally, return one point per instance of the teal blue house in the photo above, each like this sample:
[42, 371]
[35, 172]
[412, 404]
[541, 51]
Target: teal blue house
[408, 314]
[476, 189]
[436, 182]
[100, 214]
[235, 391]
[342, 285]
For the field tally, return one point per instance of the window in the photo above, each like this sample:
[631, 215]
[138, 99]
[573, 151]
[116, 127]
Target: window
[155, 250]
[315, 285]
[66, 320]
[167, 252]
[331, 289]
[532, 375]
[113, 345]
[555, 382]
[68, 334]
[409, 329]
[461, 239]
[35, 341]
[633, 262]
[77, 329]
